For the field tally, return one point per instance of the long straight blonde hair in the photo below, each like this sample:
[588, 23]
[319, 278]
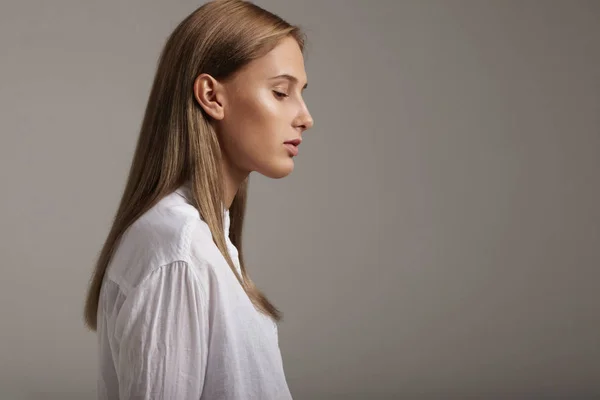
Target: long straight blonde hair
[177, 143]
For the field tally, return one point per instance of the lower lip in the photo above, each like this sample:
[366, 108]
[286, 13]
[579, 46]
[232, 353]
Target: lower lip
[292, 149]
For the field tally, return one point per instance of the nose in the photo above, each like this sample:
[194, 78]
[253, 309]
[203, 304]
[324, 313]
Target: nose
[309, 122]
[305, 120]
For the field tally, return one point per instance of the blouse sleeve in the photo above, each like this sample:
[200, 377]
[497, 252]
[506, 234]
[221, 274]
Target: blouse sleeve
[164, 336]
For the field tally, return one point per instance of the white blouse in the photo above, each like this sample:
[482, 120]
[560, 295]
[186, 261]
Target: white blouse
[174, 322]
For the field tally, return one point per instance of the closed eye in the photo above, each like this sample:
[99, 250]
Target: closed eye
[280, 95]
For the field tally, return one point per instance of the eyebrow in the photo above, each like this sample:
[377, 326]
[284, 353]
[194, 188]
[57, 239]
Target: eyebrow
[290, 78]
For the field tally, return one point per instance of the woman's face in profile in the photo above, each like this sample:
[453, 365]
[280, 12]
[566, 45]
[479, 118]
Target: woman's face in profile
[262, 109]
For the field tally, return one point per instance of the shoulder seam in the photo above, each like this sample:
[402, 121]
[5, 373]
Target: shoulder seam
[179, 261]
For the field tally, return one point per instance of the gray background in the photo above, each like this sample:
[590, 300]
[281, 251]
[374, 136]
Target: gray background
[439, 237]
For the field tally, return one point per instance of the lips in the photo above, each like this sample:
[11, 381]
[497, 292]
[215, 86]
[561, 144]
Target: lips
[295, 142]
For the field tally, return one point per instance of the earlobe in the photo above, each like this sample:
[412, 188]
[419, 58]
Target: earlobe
[206, 90]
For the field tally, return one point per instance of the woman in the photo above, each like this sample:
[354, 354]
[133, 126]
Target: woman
[176, 313]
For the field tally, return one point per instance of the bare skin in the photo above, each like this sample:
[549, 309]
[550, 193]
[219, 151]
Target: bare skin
[255, 112]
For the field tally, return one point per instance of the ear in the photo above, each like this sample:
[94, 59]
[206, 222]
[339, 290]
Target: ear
[208, 94]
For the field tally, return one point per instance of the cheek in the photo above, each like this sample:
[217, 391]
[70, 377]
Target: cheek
[257, 121]
[265, 112]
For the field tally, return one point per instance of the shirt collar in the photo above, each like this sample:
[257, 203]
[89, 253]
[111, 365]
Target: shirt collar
[185, 191]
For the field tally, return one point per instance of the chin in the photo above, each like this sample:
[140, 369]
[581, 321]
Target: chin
[278, 170]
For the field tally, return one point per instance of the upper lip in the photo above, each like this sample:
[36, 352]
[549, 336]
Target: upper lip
[295, 142]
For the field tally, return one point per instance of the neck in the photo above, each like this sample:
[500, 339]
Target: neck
[233, 178]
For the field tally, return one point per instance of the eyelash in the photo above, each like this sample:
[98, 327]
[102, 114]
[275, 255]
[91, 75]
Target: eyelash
[280, 95]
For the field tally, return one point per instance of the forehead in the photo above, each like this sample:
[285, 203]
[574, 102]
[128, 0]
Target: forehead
[285, 58]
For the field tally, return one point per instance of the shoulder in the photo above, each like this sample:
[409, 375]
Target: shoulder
[158, 238]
